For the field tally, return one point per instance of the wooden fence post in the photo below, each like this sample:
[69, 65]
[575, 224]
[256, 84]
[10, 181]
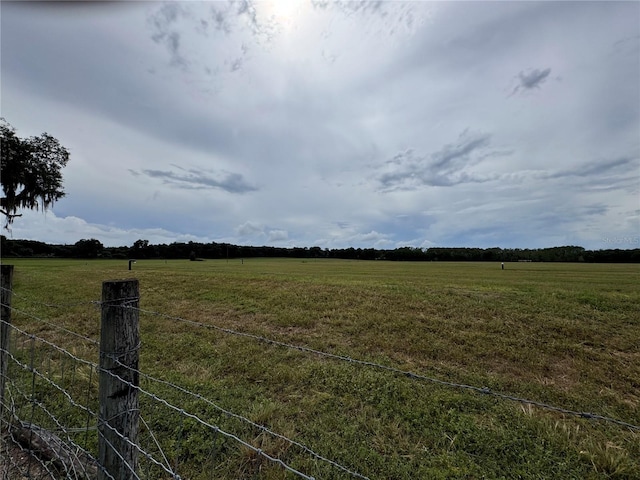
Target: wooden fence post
[119, 352]
[5, 320]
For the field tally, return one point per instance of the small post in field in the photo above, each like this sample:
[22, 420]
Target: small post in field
[118, 396]
[5, 321]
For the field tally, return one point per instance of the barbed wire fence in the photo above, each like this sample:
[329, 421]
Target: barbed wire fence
[85, 437]
[56, 422]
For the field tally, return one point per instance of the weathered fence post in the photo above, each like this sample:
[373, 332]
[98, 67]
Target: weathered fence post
[119, 351]
[5, 320]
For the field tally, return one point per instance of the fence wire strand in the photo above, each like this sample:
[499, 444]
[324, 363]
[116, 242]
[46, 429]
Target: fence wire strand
[58, 327]
[51, 305]
[397, 371]
[246, 420]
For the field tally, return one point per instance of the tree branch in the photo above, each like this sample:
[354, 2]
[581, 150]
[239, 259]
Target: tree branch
[10, 217]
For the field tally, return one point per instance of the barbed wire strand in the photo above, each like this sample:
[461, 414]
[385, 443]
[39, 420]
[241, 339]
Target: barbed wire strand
[50, 305]
[86, 435]
[33, 389]
[118, 454]
[35, 372]
[482, 390]
[258, 451]
[215, 428]
[244, 419]
[412, 375]
[153, 437]
[97, 303]
[58, 327]
[146, 454]
[226, 412]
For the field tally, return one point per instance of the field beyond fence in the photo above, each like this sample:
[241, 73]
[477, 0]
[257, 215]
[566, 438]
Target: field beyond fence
[331, 369]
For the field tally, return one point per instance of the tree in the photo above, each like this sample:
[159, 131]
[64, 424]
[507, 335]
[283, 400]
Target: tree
[139, 249]
[88, 248]
[31, 171]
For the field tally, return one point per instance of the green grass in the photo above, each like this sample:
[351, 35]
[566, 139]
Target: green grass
[564, 334]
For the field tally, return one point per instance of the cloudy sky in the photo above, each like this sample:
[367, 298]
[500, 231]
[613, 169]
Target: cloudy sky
[336, 124]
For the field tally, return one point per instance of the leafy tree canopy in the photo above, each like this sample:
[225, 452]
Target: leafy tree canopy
[31, 171]
[88, 248]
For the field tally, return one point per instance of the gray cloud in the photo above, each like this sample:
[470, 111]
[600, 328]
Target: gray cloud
[617, 174]
[391, 16]
[628, 46]
[193, 179]
[534, 78]
[114, 87]
[163, 23]
[623, 172]
[621, 165]
[531, 79]
[483, 35]
[220, 20]
[446, 167]
[226, 18]
[250, 231]
[452, 156]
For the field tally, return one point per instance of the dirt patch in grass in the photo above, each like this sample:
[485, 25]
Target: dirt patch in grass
[19, 464]
[562, 374]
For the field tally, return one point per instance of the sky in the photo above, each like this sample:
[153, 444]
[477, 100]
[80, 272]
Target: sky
[333, 124]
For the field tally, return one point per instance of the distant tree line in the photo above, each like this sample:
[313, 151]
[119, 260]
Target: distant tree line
[142, 249]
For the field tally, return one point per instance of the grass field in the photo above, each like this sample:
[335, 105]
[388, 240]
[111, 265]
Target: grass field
[562, 334]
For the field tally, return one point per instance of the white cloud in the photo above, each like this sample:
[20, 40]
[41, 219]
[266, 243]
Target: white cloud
[49, 228]
[248, 228]
[277, 236]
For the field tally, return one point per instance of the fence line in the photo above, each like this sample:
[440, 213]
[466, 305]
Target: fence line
[27, 458]
[246, 420]
[409, 374]
[58, 327]
[214, 428]
[183, 390]
[483, 390]
[181, 411]
[52, 305]
[151, 395]
[405, 373]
